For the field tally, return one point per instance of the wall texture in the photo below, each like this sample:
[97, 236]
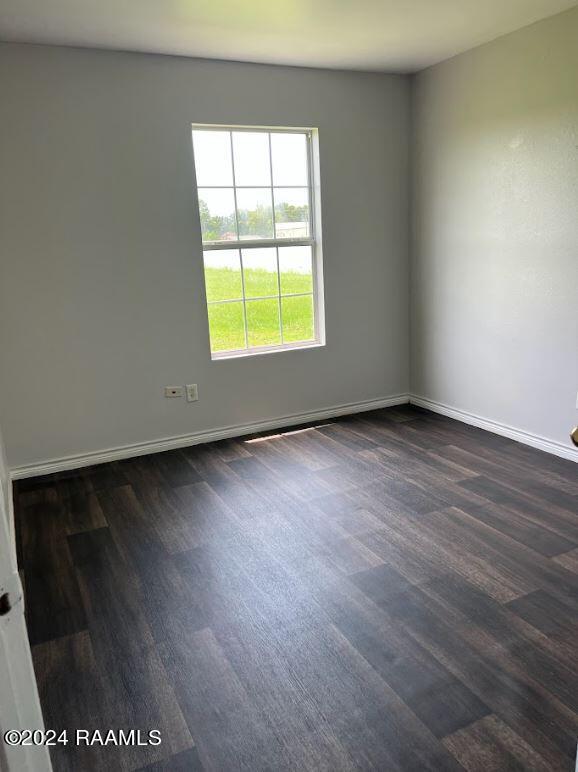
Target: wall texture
[101, 285]
[495, 230]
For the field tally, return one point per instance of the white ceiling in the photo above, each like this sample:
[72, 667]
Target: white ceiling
[391, 35]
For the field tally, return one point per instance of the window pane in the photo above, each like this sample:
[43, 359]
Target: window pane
[297, 318]
[212, 150]
[217, 210]
[223, 275]
[251, 154]
[263, 322]
[296, 271]
[260, 272]
[289, 155]
[226, 326]
[255, 213]
[291, 213]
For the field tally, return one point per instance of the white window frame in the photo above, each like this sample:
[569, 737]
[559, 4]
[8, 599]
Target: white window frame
[313, 241]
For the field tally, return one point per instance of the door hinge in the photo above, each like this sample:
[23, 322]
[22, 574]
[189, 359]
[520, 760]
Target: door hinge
[10, 594]
[5, 604]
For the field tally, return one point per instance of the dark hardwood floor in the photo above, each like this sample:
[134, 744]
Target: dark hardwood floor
[387, 591]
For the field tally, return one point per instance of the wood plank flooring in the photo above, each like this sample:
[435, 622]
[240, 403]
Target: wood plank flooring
[387, 591]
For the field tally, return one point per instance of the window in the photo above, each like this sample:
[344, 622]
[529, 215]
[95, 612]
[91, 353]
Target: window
[261, 252]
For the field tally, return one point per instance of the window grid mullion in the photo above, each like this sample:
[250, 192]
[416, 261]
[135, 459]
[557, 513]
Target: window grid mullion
[271, 188]
[244, 299]
[249, 187]
[275, 236]
[258, 244]
[238, 239]
[279, 295]
[234, 185]
[261, 297]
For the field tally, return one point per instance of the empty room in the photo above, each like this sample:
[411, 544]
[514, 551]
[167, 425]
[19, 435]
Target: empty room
[289, 386]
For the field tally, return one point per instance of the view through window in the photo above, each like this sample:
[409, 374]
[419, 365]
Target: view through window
[260, 254]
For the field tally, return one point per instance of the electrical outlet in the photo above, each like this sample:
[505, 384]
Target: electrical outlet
[192, 392]
[173, 391]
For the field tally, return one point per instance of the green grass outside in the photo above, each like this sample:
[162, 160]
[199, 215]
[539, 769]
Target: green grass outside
[226, 322]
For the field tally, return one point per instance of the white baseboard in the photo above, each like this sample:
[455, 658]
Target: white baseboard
[549, 446]
[171, 443]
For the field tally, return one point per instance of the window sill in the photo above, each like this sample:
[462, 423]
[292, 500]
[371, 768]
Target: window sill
[254, 352]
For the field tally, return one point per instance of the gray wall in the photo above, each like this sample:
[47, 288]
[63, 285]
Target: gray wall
[495, 239]
[101, 285]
